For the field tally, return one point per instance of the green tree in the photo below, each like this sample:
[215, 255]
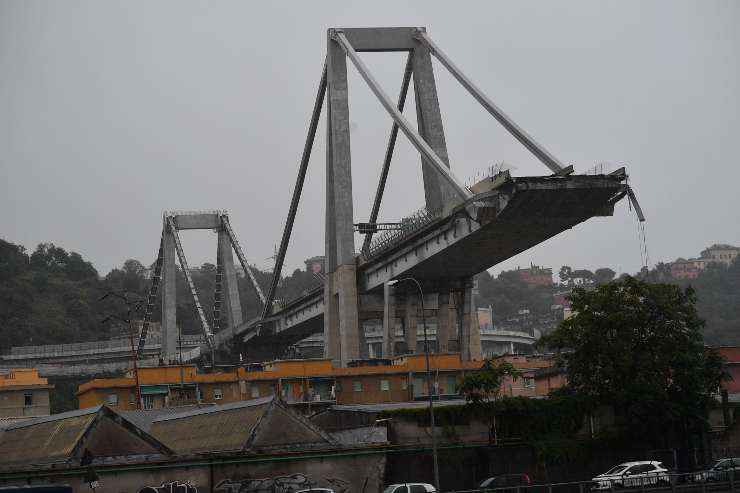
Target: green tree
[638, 347]
[604, 275]
[483, 387]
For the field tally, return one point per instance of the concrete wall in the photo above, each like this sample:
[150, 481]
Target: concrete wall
[12, 402]
[370, 389]
[344, 474]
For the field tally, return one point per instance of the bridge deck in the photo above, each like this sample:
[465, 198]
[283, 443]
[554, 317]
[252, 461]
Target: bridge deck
[486, 230]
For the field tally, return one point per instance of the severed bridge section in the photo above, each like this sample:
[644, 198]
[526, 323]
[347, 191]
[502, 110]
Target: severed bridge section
[459, 232]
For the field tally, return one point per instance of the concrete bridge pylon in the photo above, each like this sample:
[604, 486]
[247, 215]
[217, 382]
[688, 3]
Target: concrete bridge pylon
[227, 312]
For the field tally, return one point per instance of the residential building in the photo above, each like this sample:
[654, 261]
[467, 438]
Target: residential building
[690, 268]
[683, 268]
[721, 253]
[23, 393]
[535, 276]
[307, 384]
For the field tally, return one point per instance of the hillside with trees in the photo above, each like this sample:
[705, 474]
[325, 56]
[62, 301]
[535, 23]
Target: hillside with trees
[50, 296]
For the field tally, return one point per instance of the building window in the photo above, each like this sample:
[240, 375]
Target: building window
[217, 394]
[385, 385]
[527, 382]
[132, 398]
[113, 399]
[148, 402]
[357, 386]
[255, 391]
[404, 384]
[28, 399]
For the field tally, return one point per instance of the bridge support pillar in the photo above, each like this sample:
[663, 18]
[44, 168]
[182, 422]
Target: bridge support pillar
[341, 317]
[470, 346]
[341, 321]
[429, 120]
[443, 322]
[169, 298]
[411, 322]
[389, 321]
[232, 307]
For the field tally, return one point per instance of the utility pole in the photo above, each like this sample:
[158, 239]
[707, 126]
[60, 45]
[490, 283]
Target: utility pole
[131, 306]
[430, 385]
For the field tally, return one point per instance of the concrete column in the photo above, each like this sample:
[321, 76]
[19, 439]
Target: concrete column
[411, 321]
[231, 306]
[429, 119]
[169, 298]
[341, 317]
[331, 320]
[470, 349]
[340, 236]
[389, 321]
[443, 322]
[341, 323]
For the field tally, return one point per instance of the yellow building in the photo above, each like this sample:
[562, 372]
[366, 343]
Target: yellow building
[23, 393]
[299, 382]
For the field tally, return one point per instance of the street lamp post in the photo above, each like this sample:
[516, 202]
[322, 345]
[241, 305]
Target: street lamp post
[430, 386]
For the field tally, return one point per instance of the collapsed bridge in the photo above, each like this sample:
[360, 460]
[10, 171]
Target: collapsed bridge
[460, 231]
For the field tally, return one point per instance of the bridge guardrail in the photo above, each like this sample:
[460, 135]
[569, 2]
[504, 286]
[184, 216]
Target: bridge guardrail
[408, 226]
[92, 346]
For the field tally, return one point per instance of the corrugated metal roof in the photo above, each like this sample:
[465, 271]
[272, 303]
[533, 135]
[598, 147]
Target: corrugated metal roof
[43, 441]
[209, 430]
[218, 408]
[56, 417]
[143, 418]
[60, 438]
[5, 422]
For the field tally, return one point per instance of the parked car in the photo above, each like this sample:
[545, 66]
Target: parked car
[504, 481]
[410, 488]
[720, 470]
[632, 475]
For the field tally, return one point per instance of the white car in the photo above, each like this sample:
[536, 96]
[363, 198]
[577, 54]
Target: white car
[410, 488]
[632, 475]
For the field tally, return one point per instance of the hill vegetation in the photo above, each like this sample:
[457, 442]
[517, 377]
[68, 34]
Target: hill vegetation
[50, 296]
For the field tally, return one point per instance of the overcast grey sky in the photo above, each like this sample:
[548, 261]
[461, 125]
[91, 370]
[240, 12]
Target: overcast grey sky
[112, 112]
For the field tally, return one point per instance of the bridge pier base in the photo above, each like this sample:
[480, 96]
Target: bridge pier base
[443, 322]
[469, 334]
[341, 316]
[410, 322]
[389, 321]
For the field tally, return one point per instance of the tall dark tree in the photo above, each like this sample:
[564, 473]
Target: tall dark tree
[604, 275]
[638, 347]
